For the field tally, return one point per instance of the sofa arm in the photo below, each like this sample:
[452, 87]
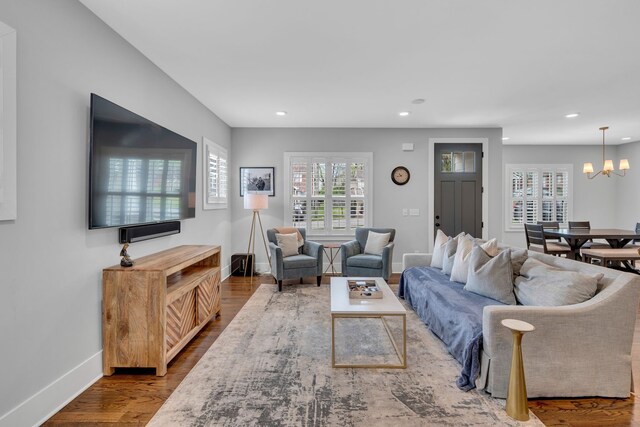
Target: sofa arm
[588, 345]
[415, 260]
[276, 261]
[315, 250]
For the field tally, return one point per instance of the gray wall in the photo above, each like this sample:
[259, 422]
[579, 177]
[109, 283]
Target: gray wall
[266, 147]
[592, 199]
[50, 263]
[627, 206]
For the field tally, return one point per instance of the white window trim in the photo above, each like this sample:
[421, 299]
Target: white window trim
[510, 167]
[210, 201]
[8, 138]
[368, 197]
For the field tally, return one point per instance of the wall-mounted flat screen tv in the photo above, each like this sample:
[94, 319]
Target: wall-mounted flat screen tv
[139, 171]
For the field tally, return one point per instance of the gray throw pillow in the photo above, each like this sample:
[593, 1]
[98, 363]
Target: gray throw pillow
[544, 285]
[491, 277]
[449, 255]
[518, 257]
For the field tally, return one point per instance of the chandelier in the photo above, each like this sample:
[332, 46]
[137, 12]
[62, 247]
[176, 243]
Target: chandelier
[607, 165]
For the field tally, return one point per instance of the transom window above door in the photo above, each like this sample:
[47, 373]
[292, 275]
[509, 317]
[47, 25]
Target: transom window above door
[328, 193]
[458, 162]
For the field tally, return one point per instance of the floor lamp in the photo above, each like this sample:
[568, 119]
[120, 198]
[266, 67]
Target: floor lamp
[255, 202]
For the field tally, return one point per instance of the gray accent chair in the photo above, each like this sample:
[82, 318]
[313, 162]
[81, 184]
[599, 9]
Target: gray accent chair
[308, 262]
[356, 263]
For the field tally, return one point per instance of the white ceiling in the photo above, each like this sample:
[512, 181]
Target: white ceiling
[520, 65]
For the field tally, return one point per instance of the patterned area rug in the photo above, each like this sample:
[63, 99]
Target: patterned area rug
[272, 367]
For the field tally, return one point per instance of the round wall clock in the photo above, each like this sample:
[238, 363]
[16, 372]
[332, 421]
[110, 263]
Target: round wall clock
[400, 175]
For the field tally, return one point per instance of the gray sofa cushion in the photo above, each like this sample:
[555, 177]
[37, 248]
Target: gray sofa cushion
[298, 261]
[491, 277]
[365, 261]
[543, 285]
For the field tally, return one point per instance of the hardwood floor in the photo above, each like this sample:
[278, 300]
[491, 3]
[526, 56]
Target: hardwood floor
[131, 397]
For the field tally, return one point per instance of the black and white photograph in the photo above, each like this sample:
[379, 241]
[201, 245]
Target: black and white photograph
[257, 180]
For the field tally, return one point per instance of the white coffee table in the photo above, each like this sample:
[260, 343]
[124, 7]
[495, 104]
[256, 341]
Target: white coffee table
[344, 307]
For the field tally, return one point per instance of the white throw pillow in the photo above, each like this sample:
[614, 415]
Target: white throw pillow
[288, 243]
[450, 250]
[439, 246]
[438, 249]
[376, 242]
[491, 247]
[460, 270]
[460, 262]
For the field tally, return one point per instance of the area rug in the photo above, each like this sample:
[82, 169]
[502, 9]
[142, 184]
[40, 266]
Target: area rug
[272, 367]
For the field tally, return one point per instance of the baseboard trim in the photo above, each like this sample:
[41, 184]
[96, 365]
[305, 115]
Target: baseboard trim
[45, 403]
[396, 267]
[225, 272]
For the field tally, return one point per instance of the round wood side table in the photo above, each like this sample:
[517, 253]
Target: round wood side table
[517, 407]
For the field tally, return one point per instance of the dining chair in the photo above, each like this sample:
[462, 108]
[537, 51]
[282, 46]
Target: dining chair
[586, 225]
[553, 225]
[537, 242]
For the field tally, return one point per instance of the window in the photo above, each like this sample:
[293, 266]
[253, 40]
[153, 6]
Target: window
[328, 193]
[537, 193]
[458, 162]
[215, 183]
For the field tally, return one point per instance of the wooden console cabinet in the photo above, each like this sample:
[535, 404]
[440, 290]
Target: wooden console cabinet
[152, 310]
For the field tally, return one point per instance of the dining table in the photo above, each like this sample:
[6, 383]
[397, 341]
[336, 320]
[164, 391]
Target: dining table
[577, 237]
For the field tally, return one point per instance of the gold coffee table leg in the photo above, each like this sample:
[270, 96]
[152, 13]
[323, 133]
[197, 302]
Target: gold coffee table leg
[517, 395]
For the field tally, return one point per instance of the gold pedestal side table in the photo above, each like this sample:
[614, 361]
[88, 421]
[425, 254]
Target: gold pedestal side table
[517, 407]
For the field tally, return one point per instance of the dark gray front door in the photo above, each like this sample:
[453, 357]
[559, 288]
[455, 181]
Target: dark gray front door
[458, 188]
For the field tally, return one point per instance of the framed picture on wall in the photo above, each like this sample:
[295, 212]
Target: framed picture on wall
[257, 180]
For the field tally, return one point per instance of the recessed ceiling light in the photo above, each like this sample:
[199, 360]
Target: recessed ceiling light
[418, 101]
[404, 113]
[505, 138]
[626, 138]
[281, 113]
[572, 115]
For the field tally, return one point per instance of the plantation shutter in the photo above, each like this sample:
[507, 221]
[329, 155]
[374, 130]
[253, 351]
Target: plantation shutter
[537, 193]
[216, 176]
[327, 193]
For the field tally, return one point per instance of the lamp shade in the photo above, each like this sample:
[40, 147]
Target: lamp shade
[624, 164]
[256, 202]
[608, 166]
[587, 168]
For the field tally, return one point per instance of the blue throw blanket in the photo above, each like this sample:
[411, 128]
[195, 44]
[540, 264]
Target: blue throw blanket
[450, 312]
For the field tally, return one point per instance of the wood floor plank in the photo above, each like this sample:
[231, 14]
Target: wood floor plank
[131, 397]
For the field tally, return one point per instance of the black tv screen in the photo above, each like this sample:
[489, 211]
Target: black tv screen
[139, 172]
